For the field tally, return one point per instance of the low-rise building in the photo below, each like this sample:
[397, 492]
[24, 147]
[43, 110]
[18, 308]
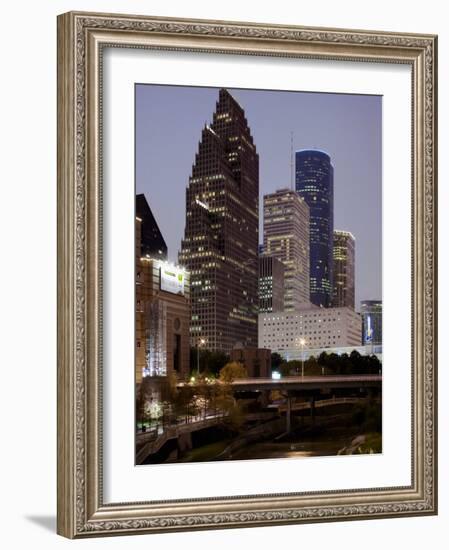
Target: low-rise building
[162, 316]
[310, 328]
[257, 361]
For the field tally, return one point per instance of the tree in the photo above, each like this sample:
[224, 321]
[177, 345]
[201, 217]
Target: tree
[331, 361]
[374, 365]
[355, 363]
[355, 356]
[322, 359]
[211, 362]
[157, 395]
[216, 361]
[232, 371]
[223, 400]
[334, 363]
[311, 367]
[289, 368]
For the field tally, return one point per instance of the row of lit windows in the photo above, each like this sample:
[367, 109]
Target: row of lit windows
[290, 325]
[206, 178]
[225, 116]
[332, 339]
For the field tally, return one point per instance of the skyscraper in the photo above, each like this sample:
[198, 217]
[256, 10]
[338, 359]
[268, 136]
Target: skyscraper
[371, 312]
[271, 284]
[286, 237]
[314, 181]
[220, 245]
[344, 269]
[152, 242]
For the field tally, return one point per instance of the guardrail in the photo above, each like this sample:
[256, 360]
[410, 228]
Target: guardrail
[322, 403]
[152, 446]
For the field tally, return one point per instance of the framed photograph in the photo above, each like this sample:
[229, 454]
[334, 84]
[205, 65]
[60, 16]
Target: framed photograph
[246, 274]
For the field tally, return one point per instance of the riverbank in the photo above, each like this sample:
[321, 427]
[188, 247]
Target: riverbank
[331, 431]
[308, 442]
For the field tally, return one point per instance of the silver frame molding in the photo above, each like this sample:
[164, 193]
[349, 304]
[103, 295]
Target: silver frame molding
[81, 38]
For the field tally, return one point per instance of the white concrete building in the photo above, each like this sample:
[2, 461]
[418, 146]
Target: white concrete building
[314, 328]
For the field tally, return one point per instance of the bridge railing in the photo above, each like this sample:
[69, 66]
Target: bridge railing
[321, 403]
[152, 446]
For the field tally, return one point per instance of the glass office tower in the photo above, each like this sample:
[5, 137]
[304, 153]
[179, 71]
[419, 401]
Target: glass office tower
[314, 181]
[153, 243]
[221, 238]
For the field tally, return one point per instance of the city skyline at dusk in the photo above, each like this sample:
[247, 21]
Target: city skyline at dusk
[347, 127]
[220, 325]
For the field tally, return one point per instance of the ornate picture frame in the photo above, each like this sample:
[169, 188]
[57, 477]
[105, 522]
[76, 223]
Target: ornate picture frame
[82, 38]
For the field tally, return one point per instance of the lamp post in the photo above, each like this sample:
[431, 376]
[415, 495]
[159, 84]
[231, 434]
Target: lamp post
[201, 342]
[302, 343]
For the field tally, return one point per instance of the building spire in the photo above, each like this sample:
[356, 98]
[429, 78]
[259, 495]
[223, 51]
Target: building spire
[291, 162]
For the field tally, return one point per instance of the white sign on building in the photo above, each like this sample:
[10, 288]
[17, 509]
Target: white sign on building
[172, 279]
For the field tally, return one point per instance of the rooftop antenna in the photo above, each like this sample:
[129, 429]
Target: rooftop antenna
[291, 162]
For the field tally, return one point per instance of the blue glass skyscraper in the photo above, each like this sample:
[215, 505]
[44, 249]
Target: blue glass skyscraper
[314, 181]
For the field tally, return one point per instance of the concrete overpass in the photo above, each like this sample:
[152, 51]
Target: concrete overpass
[307, 386]
[292, 383]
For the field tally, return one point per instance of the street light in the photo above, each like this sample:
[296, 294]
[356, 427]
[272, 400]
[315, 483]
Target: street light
[201, 342]
[302, 343]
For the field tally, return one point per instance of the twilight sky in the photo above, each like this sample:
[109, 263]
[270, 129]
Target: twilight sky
[169, 120]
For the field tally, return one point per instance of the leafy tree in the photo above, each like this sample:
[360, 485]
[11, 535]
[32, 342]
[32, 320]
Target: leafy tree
[225, 400]
[355, 363]
[323, 359]
[217, 360]
[374, 365]
[232, 371]
[211, 362]
[181, 402]
[334, 363]
[355, 356]
[311, 367]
